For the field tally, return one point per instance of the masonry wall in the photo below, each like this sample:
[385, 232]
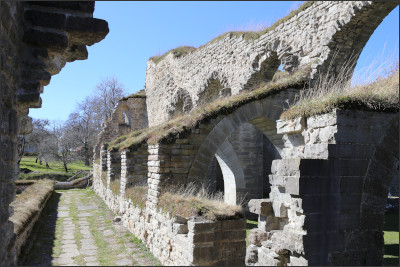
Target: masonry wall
[176, 240]
[37, 39]
[232, 64]
[118, 124]
[328, 198]
[11, 48]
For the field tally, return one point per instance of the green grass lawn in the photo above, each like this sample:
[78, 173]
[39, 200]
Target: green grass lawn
[56, 171]
[391, 236]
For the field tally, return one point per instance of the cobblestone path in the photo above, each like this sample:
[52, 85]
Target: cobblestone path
[76, 228]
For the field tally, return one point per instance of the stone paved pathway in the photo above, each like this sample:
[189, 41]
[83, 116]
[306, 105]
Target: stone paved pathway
[76, 229]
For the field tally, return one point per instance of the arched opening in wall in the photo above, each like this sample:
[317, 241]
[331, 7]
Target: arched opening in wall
[244, 154]
[368, 33]
[374, 215]
[181, 104]
[265, 70]
[123, 116]
[214, 178]
[213, 90]
[381, 52]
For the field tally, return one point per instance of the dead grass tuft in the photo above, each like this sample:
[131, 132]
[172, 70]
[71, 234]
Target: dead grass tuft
[137, 194]
[27, 204]
[188, 201]
[139, 94]
[177, 52]
[380, 91]
[104, 178]
[115, 186]
[182, 125]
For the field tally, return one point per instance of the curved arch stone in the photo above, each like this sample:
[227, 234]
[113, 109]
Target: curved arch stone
[261, 113]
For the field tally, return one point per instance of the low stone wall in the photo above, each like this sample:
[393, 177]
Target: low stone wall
[26, 216]
[176, 240]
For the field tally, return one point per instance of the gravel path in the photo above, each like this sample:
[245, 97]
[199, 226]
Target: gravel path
[76, 228]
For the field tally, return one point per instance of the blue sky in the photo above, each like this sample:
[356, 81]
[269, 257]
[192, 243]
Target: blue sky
[139, 30]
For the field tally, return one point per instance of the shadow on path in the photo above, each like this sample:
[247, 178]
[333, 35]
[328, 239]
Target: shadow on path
[44, 234]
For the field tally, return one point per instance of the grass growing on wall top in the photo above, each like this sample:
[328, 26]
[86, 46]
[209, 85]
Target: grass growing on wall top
[27, 204]
[247, 35]
[380, 91]
[190, 200]
[180, 126]
[253, 35]
[115, 186]
[177, 52]
[138, 195]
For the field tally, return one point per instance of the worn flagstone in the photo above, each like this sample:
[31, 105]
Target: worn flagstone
[76, 230]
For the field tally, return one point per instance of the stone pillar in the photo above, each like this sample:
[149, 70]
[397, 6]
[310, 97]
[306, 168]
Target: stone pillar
[124, 171]
[113, 167]
[103, 157]
[158, 173]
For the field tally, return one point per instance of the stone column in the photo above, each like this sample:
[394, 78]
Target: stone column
[113, 167]
[158, 173]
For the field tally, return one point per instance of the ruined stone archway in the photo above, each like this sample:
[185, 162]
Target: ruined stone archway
[375, 189]
[266, 65]
[182, 103]
[262, 114]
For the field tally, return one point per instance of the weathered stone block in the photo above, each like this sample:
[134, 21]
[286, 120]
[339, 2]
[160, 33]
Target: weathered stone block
[260, 206]
[290, 126]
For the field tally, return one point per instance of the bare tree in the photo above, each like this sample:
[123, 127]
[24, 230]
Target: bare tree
[107, 94]
[36, 137]
[60, 144]
[84, 126]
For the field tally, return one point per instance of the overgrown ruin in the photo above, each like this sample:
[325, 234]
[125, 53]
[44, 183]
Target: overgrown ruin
[212, 116]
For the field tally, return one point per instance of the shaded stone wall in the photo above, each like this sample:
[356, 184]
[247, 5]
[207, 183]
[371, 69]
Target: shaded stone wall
[37, 39]
[328, 199]
[11, 49]
[232, 64]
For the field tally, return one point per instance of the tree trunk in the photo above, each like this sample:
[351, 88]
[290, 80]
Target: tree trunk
[36, 160]
[65, 167]
[40, 161]
[47, 165]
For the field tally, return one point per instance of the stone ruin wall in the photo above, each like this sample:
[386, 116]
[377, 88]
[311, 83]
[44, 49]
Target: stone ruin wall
[327, 203]
[37, 39]
[172, 239]
[232, 64]
[130, 114]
